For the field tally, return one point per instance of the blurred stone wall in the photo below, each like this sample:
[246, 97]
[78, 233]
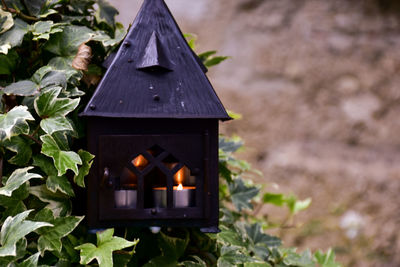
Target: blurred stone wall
[318, 84]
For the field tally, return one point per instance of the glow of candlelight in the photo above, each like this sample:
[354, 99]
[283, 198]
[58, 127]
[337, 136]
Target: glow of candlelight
[140, 161]
[180, 187]
[180, 175]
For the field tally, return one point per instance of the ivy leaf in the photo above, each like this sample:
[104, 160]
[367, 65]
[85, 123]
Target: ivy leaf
[231, 256]
[105, 13]
[14, 36]
[50, 238]
[10, 261]
[55, 124]
[48, 105]
[59, 183]
[106, 244]
[87, 160]
[8, 62]
[32, 261]
[15, 228]
[172, 247]
[296, 205]
[256, 236]
[63, 160]
[257, 264]
[43, 29]
[41, 8]
[53, 181]
[327, 259]
[197, 263]
[22, 88]
[57, 202]
[16, 179]
[106, 40]
[6, 21]
[275, 199]
[241, 194]
[66, 43]
[229, 236]
[214, 61]
[15, 122]
[20, 146]
[301, 260]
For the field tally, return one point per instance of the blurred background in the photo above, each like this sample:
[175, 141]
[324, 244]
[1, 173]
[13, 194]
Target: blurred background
[318, 85]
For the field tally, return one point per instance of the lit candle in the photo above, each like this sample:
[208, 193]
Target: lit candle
[183, 196]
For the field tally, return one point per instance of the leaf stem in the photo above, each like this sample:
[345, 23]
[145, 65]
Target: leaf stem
[18, 12]
[33, 139]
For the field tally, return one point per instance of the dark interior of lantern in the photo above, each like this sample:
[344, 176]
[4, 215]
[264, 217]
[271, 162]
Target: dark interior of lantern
[165, 181]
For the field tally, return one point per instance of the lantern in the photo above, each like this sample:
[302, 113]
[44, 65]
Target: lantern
[153, 127]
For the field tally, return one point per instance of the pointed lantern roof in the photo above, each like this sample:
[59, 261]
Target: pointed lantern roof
[155, 74]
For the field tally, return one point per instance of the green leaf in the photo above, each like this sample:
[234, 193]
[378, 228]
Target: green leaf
[55, 124]
[6, 21]
[172, 247]
[297, 205]
[106, 13]
[230, 145]
[53, 182]
[198, 262]
[8, 63]
[61, 184]
[241, 194]
[32, 261]
[63, 160]
[16, 179]
[22, 88]
[326, 260]
[14, 36]
[234, 115]
[50, 238]
[87, 160]
[204, 56]
[106, 40]
[214, 61]
[191, 39]
[256, 236]
[229, 236]
[43, 29]
[66, 43]
[22, 147]
[275, 199]
[14, 122]
[41, 8]
[48, 105]
[257, 264]
[301, 260]
[57, 202]
[15, 228]
[231, 256]
[106, 244]
[10, 261]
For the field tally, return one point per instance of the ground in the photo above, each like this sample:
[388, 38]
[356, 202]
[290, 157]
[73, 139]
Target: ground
[317, 83]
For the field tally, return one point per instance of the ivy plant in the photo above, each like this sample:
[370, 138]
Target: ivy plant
[51, 59]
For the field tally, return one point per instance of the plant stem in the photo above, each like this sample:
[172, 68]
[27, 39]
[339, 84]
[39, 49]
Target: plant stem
[18, 12]
[33, 139]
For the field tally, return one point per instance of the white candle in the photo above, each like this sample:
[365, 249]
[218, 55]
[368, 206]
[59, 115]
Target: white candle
[125, 198]
[183, 196]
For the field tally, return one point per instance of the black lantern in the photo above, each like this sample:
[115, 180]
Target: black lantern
[153, 126]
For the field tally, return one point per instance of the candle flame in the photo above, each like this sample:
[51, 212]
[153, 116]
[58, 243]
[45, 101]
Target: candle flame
[180, 187]
[180, 175]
